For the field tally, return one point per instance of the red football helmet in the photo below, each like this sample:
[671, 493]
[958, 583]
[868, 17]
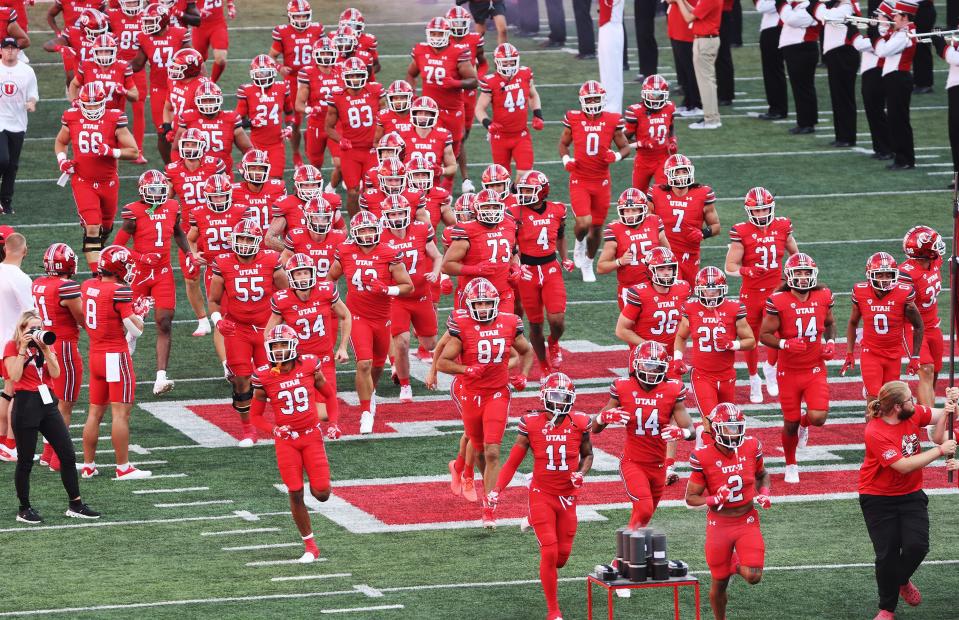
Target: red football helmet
[308, 181]
[104, 50]
[365, 228]
[391, 144]
[592, 97]
[263, 71]
[132, 8]
[324, 53]
[882, 271]
[255, 166]
[399, 96]
[396, 213]
[354, 73]
[154, 187]
[60, 260]
[728, 424]
[463, 208]
[760, 206]
[482, 300]
[192, 144]
[115, 260]
[924, 243]
[679, 171]
[354, 19]
[246, 237]
[299, 13]
[660, 259]
[489, 207]
[711, 287]
[506, 58]
[419, 172]
[801, 272]
[438, 33]
[392, 176]
[632, 207]
[655, 92]
[280, 343]
[424, 112]
[318, 214]
[345, 40]
[558, 394]
[218, 192]
[186, 63]
[94, 23]
[301, 272]
[208, 98]
[92, 101]
[496, 177]
[532, 188]
[649, 362]
[154, 19]
[460, 21]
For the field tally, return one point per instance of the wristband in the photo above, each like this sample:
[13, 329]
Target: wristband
[782, 343]
[764, 491]
[116, 153]
[915, 357]
[215, 318]
[618, 264]
[486, 123]
[707, 232]
[566, 159]
[538, 113]
[393, 291]
[677, 355]
[737, 345]
[61, 156]
[619, 155]
[941, 451]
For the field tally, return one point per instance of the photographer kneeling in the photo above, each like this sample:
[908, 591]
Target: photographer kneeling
[32, 366]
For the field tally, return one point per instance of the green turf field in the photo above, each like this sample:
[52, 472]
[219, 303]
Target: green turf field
[144, 560]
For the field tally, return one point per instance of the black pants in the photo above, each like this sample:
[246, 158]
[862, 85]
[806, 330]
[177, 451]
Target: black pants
[736, 35]
[874, 104]
[774, 71]
[952, 13]
[584, 26]
[922, 61]
[725, 79]
[557, 20]
[801, 60]
[954, 125]
[11, 143]
[685, 74]
[29, 417]
[899, 528]
[645, 15]
[897, 88]
[842, 64]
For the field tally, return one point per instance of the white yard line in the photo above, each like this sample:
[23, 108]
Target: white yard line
[180, 490]
[353, 610]
[187, 504]
[255, 530]
[278, 562]
[257, 547]
[311, 577]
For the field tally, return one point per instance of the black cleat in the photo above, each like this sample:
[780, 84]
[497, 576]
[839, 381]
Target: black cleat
[82, 511]
[29, 515]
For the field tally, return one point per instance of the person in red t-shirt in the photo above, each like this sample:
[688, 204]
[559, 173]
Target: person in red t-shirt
[890, 487]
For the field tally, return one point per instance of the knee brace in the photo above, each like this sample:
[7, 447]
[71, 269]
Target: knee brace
[105, 234]
[92, 244]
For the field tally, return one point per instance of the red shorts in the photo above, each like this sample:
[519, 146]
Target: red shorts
[877, 370]
[156, 283]
[469, 108]
[276, 153]
[553, 517]
[416, 311]
[112, 378]
[244, 349]
[353, 163]
[797, 386]
[649, 166]
[689, 267]
[546, 289]
[215, 35]
[316, 144]
[507, 148]
[710, 391]
[589, 197]
[305, 454]
[755, 302]
[67, 385]
[158, 97]
[370, 339]
[643, 480]
[96, 201]
[932, 346]
[453, 121]
[726, 534]
[484, 416]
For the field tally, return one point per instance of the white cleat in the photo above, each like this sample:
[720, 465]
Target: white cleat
[132, 473]
[366, 423]
[587, 269]
[406, 393]
[755, 389]
[772, 384]
[8, 455]
[162, 385]
[202, 327]
[792, 474]
[246, 442]
[307, 558]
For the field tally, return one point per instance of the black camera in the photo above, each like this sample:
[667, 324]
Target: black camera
[45, 336]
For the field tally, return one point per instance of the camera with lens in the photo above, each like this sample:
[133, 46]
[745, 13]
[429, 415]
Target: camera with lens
[45, 336]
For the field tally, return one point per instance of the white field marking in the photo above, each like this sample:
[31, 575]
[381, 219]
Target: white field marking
[255, 530]
[185, 504]
[137, 464]
[944, 172]
[279, 562]
[178, 416]
[180, 490]
[311, 577]
[183, 447]
[159, 476]
[352, 610]
[369, 591]
[246, 515]
[257, 547]
[70, 526]
[934, 165]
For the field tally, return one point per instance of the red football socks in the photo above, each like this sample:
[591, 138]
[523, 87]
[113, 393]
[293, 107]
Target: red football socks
[548, 556]
[365, 405]
[459, 464]
[790, 442]
[217, 71]
[404, 382]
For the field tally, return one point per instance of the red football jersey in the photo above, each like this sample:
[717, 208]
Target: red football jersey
[485, 343]
[656, 314]
[215, 229]
[652, 126]
[219, 131]
[488, 245]
[298, 239]
[48, 292]
[321, 81]
[473, 42]
[705, 326]
[180, 94]
[292, 394]
[105, 305]
[365, 57]
[126, 29]
[261, 199]
[431, 146]
[592, 137]
[538, 230]
[188, 184]
[509, 98]
[211, 11]
[682, 214]
[248, 286]
[436, 66]
[312, 318]
[73, 8]
[265, 105]
[737, 471]
[296, 46]
[159, 50]
[636, 239]
[359, 268]
[649, 411]
[927, 283]
[86, 135]
[801, 319]
[372, 199]
[412, 248]
[290, 207]
[112, 76]
[763, 247]
[436, 199]
[78, 43]
[391, 121]
[356, 112]
[154, 230]
[555, 449]
[883, 318]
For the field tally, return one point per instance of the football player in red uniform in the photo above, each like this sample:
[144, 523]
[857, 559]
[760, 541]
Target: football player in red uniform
[365, 41]
[652, 409]
[562, 456]
[111, 319]
[212, 32]
[627, 240]
[125, 27]
[798, 319]
[719, 328]
[434, 143]
[317, 238]
[290, 383]
[389, 180]
[103, 66]
[246, 279]
[185, 73]
[758, 247]
[314, 310]
[481, 339]
[220, 128]
[98, 137]
[650, 125]
[72, 10]
[258, 190]
[592, 132]
[924, 249]
[315, 82]
[73, 43]
[688, 211]
[287, 211]
[420, 175]
[350, 114]
[728, 477]
[374, 274]
[462, 37]
[266, 105]
[884, 305]
[512, 93]
[652, 309]
[541, 234]
[396, 115]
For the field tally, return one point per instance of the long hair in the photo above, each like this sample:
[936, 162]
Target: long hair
[21, 327]
[891, 394]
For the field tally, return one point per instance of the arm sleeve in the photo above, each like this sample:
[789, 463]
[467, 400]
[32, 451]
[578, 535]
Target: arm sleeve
[257, 407]
[516, 456]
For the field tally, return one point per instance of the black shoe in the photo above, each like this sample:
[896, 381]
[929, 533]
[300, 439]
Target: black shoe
[586, 56]
[841, 144]
[725, 103]
[81, 511]
[797, 130]
[922, 90]
[895, 166]
[29, 515]
[771, 116]
[883, 156]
